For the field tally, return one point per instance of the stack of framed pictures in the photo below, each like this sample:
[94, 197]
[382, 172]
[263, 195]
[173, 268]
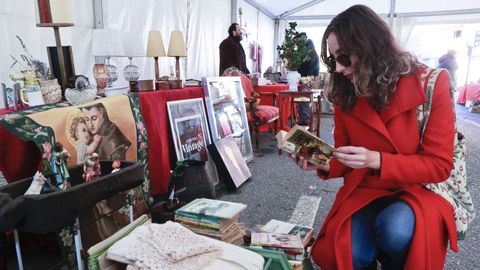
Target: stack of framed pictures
[224, 99]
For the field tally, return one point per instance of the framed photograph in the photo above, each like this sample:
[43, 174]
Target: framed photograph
[224, 99]
[231, 168]
[189, 128]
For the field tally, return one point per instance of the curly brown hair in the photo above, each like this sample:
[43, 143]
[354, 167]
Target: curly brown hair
[73, 126]
[380, 64]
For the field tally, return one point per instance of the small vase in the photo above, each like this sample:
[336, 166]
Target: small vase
[293, 77]
[101, 77]
[51, 91]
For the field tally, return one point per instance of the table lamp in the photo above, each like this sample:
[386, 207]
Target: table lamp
[108, 43]
[56, 14]
[133, 47]
[155, 49]
[176, 48]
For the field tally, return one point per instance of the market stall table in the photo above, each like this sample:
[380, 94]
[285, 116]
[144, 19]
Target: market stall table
[313, 97]
[20, 159]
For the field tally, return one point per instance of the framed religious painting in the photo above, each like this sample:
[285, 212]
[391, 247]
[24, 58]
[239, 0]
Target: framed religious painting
[188, 124]
[224, 100]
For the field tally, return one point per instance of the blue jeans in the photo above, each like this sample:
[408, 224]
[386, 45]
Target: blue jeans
[382, 231]
[303, 113]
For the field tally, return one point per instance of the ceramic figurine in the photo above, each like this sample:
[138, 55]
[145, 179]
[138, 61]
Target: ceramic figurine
[37, 183]
[58, 163]
[91, 168]
[116, 165]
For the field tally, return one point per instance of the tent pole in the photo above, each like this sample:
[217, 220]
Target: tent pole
[98, 24]
[275, 39]
[391, 15]
[233, 11]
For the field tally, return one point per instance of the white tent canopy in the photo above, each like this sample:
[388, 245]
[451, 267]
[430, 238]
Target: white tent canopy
[204, 24]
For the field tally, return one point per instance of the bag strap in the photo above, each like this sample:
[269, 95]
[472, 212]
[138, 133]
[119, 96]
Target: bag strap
[428, 79]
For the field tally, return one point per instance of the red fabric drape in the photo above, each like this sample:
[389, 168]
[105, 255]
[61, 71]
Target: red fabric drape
[468, 92]
[160, 150]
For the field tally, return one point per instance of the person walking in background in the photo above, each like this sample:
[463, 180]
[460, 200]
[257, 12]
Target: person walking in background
[231, 51]
[449, 62]
[307, 68]
[382, 212]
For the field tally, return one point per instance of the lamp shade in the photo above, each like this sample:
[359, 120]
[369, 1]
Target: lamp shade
[107, 42]
[176, 47]
[155, 44]
[53, 12]
[133, 44]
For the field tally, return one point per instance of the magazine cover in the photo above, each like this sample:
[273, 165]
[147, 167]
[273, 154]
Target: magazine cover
[191, 138]
[188, 124]
[304, 143]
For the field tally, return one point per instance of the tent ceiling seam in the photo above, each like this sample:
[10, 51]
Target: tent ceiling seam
[261, 8]
[399, 14]
[299, 8]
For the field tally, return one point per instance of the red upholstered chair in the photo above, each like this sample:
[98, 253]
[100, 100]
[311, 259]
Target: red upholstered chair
[257, 114]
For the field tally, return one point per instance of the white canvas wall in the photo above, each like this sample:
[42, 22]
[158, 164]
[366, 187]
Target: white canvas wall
[204, 23]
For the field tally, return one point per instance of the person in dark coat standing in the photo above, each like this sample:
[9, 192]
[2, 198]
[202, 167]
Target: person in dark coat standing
[231, 51]
[307, 68]
[449, 63]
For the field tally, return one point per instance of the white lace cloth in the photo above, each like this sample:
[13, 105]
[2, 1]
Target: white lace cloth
[166, 246]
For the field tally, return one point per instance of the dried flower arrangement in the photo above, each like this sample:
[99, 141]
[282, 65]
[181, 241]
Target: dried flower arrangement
[27, 61]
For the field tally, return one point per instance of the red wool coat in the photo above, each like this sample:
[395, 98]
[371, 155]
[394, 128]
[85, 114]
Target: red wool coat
[394, 132]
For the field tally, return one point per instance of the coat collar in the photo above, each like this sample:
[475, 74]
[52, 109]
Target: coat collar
[408, 95]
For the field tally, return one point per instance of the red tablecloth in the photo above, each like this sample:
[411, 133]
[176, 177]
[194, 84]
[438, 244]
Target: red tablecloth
[267, 100]
[467, 92]
[161, 151]
[20, 159]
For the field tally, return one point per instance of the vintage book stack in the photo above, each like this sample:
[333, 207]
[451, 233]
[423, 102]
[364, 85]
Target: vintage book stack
[213, 218]
[291, 239]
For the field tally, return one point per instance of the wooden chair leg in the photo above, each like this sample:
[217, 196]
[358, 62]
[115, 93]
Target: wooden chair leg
[257, 136]
[275, 127]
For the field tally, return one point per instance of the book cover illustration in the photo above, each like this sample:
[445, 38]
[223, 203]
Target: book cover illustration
[304, 143]
[277, 240]
[277, 226]
[214, 208]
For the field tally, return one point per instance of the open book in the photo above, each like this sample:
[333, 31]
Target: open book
[304, 143]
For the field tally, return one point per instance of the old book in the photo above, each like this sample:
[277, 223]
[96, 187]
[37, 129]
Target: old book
[212, 208]
[304, 143]
[285, 241]
[277, 226]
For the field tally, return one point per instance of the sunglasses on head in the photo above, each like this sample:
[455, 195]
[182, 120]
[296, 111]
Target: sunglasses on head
[343, 59]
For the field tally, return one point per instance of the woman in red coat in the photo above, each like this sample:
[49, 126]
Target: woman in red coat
[383, 212]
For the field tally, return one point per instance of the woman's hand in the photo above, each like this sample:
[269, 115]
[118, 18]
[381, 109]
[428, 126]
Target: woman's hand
[358, 157]
[305, 165]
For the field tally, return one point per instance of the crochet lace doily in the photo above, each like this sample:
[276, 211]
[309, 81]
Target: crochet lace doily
[171, 246]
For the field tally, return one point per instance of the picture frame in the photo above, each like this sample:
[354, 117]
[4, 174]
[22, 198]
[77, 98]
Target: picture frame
[189, 128]
[227, 116]
[54, 62]
[231, 168]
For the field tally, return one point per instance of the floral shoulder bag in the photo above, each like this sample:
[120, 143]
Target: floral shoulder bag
[454, 189]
